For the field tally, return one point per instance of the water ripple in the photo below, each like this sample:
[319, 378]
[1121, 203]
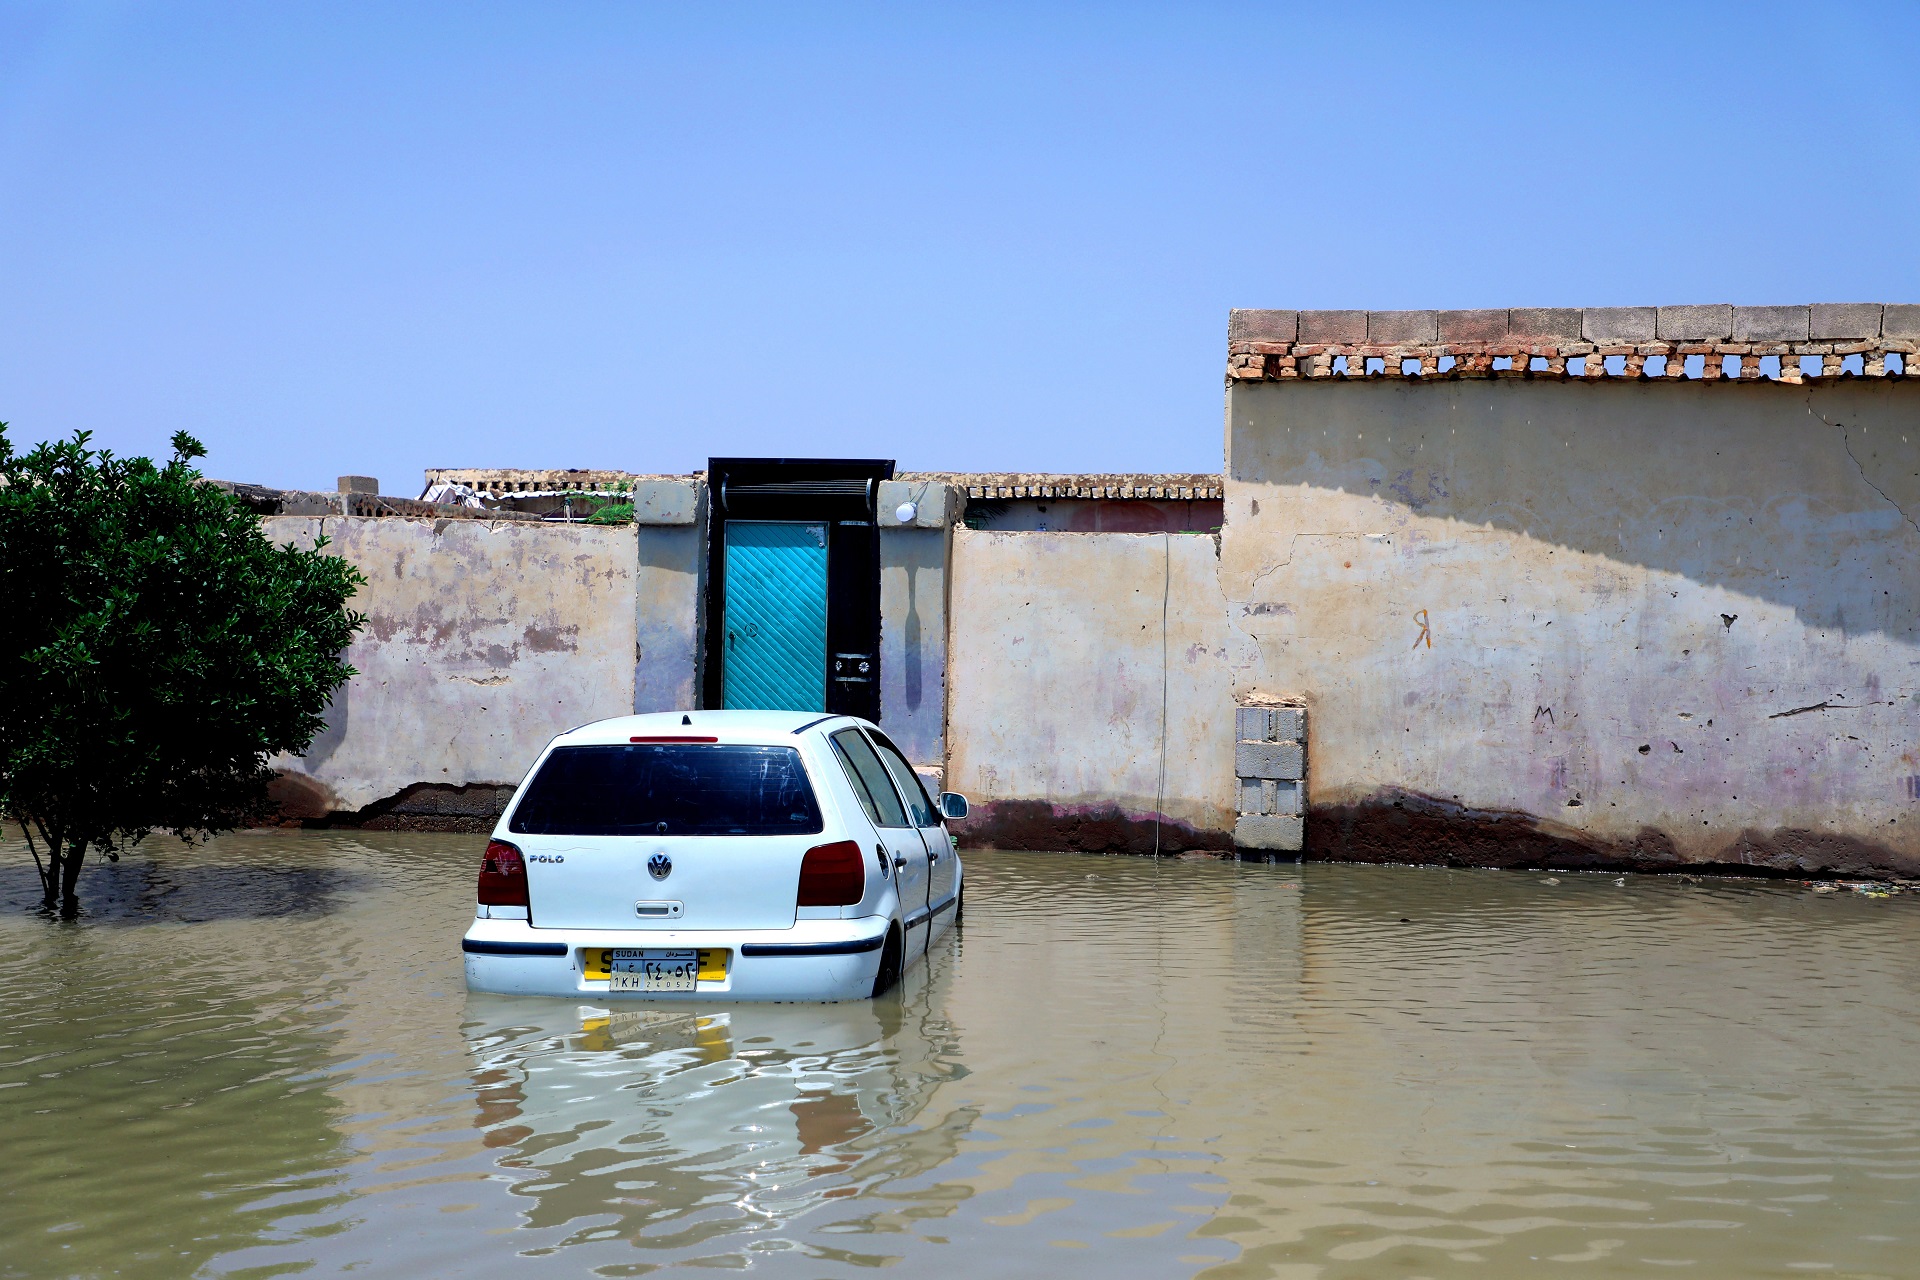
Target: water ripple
[260, 1058]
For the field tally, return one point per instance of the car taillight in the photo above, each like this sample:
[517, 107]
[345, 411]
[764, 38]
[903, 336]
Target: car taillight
[832, 875]
[503, 876]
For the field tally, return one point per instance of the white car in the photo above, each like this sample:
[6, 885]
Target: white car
[739, 855]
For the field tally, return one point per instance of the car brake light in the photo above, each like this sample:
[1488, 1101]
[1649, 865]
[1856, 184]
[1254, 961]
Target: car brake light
[832, 875]
[503, 876]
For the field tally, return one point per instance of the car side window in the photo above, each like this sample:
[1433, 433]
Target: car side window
[919, 808]
[869, 779]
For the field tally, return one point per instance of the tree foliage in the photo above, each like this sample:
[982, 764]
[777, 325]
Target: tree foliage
[159, 649]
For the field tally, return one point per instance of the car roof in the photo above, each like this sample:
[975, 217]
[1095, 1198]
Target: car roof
[728, 726]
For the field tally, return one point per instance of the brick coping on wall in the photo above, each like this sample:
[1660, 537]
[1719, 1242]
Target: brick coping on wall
[499, 481]
[1278, 345]
[1180, 486]
[1177, 486]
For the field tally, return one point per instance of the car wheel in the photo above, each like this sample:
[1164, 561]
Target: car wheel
[889, 974]
[960, 905]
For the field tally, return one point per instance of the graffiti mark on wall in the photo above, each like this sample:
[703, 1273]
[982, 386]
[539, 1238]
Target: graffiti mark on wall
[1426, 631]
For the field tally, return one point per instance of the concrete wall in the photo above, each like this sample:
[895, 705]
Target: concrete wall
[670, 517]
[913, 641]
[669, 584]
[1615, 622]
[1055, 685]
[483, 640]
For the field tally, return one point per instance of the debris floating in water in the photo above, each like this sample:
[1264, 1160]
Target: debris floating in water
[1865, 888]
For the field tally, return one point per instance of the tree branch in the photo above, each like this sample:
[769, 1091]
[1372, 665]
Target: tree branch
[26, 829]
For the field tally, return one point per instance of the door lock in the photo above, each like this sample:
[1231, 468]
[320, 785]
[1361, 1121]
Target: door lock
[853, 668]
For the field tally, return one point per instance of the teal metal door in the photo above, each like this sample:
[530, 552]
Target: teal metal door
[776, 616]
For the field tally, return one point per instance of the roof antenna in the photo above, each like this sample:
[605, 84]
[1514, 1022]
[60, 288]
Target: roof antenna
[686, 719]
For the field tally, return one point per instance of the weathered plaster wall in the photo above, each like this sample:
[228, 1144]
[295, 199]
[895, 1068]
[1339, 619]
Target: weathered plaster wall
[668, 585]
[1615, 622]
[483, 640]
[913, 640]
[1055, 679]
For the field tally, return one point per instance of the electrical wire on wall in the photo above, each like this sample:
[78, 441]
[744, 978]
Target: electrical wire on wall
[1166, 584]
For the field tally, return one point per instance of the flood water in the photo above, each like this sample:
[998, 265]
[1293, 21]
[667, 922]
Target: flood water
[260, 1059]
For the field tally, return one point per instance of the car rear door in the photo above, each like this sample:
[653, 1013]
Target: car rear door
[896, 832]
[943, 865]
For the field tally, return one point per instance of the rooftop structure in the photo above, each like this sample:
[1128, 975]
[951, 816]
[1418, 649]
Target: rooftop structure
[1702, 343]
[1178, 486]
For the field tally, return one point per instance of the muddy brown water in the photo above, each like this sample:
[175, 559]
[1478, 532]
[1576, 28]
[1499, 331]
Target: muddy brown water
[259, 1059]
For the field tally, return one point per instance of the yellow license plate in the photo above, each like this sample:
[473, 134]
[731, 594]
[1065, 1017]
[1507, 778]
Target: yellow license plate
[598, 962]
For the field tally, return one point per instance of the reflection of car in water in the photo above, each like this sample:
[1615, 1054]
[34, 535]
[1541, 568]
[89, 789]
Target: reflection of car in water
[687, 1122]
[730, 855]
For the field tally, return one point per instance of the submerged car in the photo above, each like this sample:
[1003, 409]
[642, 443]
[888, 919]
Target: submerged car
[738, 855]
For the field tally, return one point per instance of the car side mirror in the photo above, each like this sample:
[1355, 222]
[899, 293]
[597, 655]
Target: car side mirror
[952, 804]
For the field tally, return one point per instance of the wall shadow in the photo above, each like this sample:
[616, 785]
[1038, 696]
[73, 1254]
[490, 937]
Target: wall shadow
[1806, 496]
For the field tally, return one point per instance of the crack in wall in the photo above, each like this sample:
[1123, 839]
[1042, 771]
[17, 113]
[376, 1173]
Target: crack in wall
[1293, 543]
[1846, 442]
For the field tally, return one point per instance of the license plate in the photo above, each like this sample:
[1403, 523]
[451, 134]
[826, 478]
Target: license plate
[653, 970]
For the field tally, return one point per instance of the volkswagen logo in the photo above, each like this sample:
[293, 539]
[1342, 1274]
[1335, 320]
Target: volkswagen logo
[659, 866]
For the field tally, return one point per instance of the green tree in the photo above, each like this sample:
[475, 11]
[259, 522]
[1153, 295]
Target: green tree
[158, 650]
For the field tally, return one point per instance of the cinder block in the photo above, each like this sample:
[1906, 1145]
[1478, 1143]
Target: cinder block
[1253, 724]
[1262, 326]
[1333, 326]
[1843, 321]
[941, 507]
[359, 484]
[1546, 324]
[1279, 833]
[1289, 724]
[1472, 326]
[665, 501]
[1287, 799]
[1901, 321]
[1710, 323]
[933, 504]
[1618, 324]
[1770, 324]
[1253, 797]
[887, 500]
[1269, 760]
[1391, 328]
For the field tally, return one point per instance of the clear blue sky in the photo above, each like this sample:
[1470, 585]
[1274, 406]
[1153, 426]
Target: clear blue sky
[337, 238]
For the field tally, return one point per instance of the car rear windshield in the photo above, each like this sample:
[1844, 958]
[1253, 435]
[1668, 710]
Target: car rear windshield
[669, 789]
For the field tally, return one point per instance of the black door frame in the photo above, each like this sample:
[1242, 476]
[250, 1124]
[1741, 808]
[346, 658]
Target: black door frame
[841, 493]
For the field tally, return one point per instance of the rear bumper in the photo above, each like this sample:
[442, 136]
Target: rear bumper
[815, 960]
